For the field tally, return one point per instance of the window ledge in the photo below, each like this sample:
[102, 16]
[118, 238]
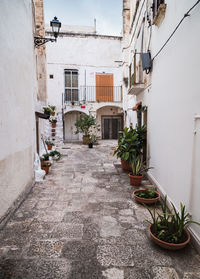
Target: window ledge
[136, 89]
[158, 19]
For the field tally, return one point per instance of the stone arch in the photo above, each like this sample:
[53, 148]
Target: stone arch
[110, 118]
[69, 127]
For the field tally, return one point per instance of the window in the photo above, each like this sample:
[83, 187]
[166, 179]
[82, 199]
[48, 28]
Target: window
[135, 68]
[155, 6]
[51, 76]
[71, 86]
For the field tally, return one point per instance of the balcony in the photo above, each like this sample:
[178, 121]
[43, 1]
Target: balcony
[136, 89]
[91, 94]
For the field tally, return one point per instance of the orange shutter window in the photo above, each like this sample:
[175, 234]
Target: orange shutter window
[104, 87]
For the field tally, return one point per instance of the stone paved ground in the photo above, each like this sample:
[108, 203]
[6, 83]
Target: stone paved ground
[82, 223]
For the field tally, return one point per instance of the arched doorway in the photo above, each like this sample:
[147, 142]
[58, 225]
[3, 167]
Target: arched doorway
[111, 119]
[69, 121]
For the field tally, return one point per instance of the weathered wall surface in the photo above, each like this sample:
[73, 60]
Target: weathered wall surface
[40, 53]
[16, 106]
[89, 54]
[173, 100]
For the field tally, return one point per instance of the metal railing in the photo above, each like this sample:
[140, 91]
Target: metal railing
[96, 94]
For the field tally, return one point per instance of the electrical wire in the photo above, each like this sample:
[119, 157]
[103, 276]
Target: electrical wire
[185, 15]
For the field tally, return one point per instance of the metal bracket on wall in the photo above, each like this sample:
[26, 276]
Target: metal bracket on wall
[38, 41]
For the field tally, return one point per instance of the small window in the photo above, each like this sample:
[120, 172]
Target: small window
[155, 6]
[51, 76]
[71, 86]
[158, 9]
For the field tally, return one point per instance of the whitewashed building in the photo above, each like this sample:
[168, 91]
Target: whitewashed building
[84, 75]
[23, 94]
[169, 94]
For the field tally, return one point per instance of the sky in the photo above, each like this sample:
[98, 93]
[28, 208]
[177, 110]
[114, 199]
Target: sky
[108, 14]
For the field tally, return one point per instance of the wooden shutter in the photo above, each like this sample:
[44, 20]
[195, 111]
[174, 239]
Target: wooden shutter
[104, 87]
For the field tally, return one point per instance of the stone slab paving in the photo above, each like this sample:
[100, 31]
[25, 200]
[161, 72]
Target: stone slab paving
[82, 223]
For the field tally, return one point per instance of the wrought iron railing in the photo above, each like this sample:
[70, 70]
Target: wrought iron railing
[95, 94]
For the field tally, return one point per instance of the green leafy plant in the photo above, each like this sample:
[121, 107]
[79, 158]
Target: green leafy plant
[138, 167]
[141, 137]
[92, 138]
[45, 157]
[131, 143]
[52, 119]
[49, 110]
[147, 194]
[52, 108]
[48, 142]
[169, 226]
[84, 124]
[55, 154]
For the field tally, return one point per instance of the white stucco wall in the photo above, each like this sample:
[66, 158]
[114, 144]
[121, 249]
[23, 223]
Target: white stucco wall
[87, 54]
[174, 101]
[17, 79]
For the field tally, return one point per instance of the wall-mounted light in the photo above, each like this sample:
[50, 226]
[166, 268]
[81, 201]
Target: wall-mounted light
[55, 24]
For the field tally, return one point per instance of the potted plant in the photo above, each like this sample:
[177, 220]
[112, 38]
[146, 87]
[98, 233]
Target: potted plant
[52, 110]
[84, 124]
[45, 163]
[138, 168]
[53, 121]
[49, 144]
[129, 144]
[55, 155]
[168, 229]
[91, 140]
[146, 196]
[47, 110]
[53, 132]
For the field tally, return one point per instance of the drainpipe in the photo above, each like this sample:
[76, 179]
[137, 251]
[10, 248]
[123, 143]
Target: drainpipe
[63, 118]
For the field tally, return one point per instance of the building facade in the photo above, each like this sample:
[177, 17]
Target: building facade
[84, 76]
[21, 100]
[167, 96]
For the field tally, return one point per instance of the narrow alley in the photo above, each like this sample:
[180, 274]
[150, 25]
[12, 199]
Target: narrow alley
[83, 223]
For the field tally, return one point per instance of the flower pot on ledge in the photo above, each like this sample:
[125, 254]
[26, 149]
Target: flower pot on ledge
[49, 147]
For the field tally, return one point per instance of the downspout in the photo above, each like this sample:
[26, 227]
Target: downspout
[63, 118]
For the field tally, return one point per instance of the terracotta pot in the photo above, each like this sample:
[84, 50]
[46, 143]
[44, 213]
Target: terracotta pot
[45, 168]
[53, 134]
[143, 200]
[170, 246]
[53, 125]
[85, 139]
[125, 165]
[135, 180]
[49, 147]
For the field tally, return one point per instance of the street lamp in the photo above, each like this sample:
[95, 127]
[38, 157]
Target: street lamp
[55, 24]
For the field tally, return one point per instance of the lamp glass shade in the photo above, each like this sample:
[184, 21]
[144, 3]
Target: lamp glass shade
[55, 24]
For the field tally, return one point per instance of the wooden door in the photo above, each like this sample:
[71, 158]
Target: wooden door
[70, 119]
[104, 87]
[111, 127]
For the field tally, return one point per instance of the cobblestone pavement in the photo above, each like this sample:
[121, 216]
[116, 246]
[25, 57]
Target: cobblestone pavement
[82, 223]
